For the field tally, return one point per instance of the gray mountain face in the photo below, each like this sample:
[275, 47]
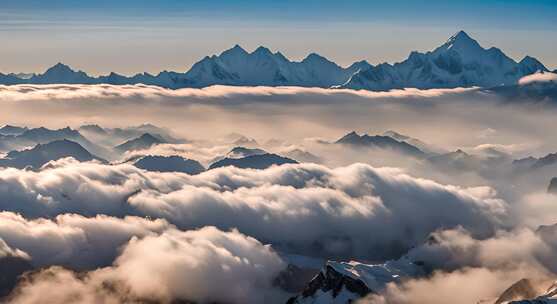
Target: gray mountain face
[24, 137]
[169, 164]
[460, 62]
[43, 153]
[258, 161]
[532, 163]
[240, 152]
[303, 156]
[379, 142]
[62, 73]
[145, 141]
[115, 136]
[12, 130]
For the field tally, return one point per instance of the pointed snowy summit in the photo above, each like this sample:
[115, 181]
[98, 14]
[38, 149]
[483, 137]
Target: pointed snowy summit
[461, 37]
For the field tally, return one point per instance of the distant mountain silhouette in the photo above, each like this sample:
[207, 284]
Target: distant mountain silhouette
[12, 130]
[145, 141]
[303, 156]
[259, 161]
[169, 164]
[25, 137]
[379, 142]
[43, 153]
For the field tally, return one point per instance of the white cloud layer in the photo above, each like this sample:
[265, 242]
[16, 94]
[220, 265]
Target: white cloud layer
[83, 215]
[307, 208]
[204, 266]
[471, 270]
[105, 91]
[73, 240]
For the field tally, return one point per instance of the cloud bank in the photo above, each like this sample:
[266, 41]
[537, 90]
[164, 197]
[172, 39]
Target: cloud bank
[204, 266]
[113, 228]
[469, 270]
[105, 91]
[72, 240]
[342, 211]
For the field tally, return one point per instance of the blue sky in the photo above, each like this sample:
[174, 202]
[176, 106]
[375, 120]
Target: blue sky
[133, 36]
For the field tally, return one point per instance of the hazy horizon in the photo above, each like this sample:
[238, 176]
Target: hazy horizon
[133, 37]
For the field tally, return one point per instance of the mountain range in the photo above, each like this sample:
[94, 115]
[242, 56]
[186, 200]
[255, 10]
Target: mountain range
[380, 142]
[459, 62]
[43, 153]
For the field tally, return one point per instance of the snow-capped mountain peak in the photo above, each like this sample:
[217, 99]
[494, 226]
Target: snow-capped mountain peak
[461, 41]
[347, 282]
[468, 49]
[236, 66]
[459, 62]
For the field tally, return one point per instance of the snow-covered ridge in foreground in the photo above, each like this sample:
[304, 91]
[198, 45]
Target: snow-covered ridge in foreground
[343, 282]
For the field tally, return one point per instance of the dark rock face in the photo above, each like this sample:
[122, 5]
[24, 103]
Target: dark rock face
[169, 164]
[261, 161]
[332, 281]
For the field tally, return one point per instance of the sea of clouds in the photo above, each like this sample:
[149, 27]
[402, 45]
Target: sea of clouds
[112, 233]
